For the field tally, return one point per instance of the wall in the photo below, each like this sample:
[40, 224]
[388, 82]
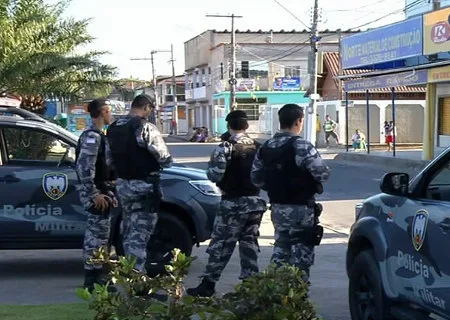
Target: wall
[358, 120]
[196, 51]
[409, 119]
[330, 89]
[409, 122]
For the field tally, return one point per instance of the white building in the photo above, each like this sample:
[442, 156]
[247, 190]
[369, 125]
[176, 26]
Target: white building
[261, 58]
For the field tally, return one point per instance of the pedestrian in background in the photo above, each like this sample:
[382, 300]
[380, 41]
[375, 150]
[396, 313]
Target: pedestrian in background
[292, 171]
[96, 189]
[241, 208]
[139, 153]
[330, 126]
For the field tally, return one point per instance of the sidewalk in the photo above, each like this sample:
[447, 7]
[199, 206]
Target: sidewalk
[406, 159]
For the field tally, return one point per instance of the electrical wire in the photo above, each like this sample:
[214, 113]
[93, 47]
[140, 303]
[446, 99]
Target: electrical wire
[410, 6]
[292, 14]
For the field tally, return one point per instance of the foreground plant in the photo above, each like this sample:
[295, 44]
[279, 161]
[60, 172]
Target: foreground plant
[277, 293]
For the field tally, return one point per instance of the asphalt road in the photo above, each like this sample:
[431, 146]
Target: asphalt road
[40, 277]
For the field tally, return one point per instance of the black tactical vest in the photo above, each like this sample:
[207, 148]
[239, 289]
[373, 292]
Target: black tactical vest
[286, 183]
[102, 172]
[130, 160]
[236, 181]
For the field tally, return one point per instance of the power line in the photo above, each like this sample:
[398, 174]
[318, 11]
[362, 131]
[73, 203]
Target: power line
[359, 8]
[292, 14]
[411, 5]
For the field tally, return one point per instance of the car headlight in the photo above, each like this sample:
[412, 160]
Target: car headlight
[358, 208]
[206, 187]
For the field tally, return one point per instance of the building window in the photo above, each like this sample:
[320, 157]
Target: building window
[251, 110]
[444, 116]
[292, 71]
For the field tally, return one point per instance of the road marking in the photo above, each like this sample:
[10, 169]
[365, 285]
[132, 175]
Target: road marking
[191, 159]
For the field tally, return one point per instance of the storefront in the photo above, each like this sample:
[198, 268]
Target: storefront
[257, 105]
[410, 61]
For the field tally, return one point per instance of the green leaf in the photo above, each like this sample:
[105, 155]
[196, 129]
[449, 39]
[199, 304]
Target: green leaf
[83, 294]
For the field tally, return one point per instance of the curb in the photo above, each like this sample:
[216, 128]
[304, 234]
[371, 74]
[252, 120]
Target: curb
[390, 162]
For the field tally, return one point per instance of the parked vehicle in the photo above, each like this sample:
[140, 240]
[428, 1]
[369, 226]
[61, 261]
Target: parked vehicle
[397, 259]
[39, 205]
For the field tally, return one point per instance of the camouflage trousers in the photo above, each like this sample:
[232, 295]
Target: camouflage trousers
[139, 218]
[289, 221]
[237, 220]
[96, 236]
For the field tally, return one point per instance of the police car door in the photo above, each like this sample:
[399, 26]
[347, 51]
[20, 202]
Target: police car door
[424, 264]
[39, 203]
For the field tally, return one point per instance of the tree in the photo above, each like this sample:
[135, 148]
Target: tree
[37, 52]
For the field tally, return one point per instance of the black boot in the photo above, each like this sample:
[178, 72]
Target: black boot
[102, 279]
[205, 289]
[89, 279]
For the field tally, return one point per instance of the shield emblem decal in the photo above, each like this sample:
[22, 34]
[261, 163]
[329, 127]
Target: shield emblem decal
[54, 185]
[419, 228]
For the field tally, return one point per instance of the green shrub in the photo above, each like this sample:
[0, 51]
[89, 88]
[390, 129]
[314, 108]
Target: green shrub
[275, 294]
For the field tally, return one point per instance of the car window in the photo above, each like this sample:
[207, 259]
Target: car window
[442, 177]
[438, 187]
[32, 145]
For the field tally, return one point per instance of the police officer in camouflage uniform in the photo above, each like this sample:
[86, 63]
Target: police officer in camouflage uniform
[241, 208]
[96, 188]
[291, 170]
[138, 153]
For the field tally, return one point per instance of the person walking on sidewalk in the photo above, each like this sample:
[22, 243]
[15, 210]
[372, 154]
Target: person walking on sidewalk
[292, 171]
[96, 189]
[241, 208]
[329, 126]
[388, 134]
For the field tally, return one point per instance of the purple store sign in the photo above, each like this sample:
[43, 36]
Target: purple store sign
[408, 78]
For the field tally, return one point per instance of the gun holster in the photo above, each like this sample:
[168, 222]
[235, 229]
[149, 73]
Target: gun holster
[153, 199]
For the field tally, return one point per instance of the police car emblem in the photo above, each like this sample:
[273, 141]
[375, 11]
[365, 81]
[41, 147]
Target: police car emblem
[419, 228]
[54, 185]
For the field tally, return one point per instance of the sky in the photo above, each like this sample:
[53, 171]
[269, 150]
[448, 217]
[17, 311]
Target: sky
[132, 28]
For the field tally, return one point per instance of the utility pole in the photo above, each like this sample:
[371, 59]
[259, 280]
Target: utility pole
[232, 81]
[153, 116]
[155, 89]
[174, 88]
[312, 110]
[436, 5]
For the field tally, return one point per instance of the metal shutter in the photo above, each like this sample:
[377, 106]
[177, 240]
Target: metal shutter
[444, 116]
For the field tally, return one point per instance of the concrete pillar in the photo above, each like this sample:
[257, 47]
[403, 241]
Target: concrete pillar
[429, 126]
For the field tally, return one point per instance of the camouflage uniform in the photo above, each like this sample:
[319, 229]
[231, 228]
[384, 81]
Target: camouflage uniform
[138, 217]
[98, 225]
[237, 220]
[289, 220]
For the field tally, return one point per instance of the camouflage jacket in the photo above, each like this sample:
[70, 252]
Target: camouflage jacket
[306, 156]
[90, 143]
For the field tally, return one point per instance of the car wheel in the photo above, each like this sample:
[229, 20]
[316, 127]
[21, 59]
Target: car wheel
[170, 233]
[366, 297]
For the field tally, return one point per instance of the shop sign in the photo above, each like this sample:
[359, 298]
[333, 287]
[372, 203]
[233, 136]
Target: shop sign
[408, 78]
[390, 43]
[436, 32]
[441, 74]
[286, 84]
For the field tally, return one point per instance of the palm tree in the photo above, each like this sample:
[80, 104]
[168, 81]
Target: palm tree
[37, 53]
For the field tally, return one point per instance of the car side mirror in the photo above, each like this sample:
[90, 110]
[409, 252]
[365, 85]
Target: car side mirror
[395, 184]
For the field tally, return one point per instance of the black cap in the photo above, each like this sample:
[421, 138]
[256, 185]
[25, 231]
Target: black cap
[97, 104]
[143, 100]
[236, 114]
